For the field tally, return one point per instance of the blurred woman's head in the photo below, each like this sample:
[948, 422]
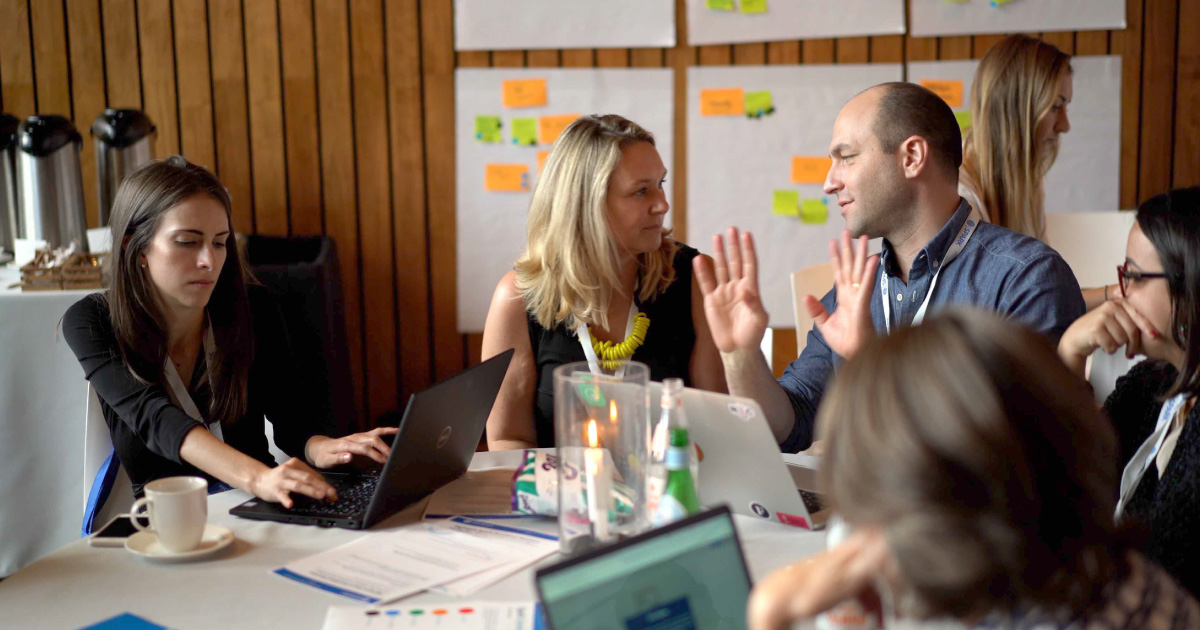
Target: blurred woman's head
[983, 460]
[598, 205]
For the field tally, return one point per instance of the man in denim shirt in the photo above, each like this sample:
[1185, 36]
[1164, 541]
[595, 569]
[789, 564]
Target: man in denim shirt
[896, 150]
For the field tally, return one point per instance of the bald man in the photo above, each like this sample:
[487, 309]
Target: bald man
[896, 150]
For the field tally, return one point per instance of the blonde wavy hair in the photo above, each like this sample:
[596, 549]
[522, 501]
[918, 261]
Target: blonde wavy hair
[1015, 88]
[569, 270]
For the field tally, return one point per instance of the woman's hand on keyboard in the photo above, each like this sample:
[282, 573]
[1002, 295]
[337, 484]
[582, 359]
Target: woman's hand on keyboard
[276, 484]
[327, 452]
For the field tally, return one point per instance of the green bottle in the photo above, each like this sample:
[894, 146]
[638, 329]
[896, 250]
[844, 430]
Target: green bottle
[679, 498]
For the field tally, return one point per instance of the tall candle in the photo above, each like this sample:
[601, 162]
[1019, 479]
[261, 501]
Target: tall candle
[599, 484]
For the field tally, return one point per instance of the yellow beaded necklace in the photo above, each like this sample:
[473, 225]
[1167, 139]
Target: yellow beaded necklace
[611, 354]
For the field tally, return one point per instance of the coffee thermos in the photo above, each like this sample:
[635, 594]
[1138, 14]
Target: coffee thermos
[124, 141]
[8, 181]
[50, 188]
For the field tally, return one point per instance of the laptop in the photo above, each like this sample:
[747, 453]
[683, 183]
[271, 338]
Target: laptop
[439, 432]
[689, 574]
[740, 462]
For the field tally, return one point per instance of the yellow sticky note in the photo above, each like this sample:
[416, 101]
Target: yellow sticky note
[810, 169]
[758, 104]
[487, 129]
[506, 178]
[719, 5]
[551, 127]
[524, 131]
[964, 120]
[525, 93]
[754, 6]
[950, 91]
[722, 102]
[814, 211]
[542, 155]
[786, 203]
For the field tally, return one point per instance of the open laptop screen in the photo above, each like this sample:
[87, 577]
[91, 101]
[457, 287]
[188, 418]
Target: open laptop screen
[689, 575]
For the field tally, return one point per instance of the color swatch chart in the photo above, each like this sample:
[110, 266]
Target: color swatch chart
[457, 616]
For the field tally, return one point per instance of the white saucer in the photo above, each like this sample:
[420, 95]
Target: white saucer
[146, 545]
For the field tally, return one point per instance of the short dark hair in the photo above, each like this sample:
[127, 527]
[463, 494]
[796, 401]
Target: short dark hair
[907, 110]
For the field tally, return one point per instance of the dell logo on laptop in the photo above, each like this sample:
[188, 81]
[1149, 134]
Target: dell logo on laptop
[444, 437]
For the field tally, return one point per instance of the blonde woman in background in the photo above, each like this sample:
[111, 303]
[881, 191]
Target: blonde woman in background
[1019, 105]
[598, 267]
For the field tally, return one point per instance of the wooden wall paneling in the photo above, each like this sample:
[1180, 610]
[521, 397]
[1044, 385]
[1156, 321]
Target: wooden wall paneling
[787, 53]
[920, 49]
[508, 59]
[887, 49]
[369, 61]
[1158, 98]
[1091, 43]
[122, 69]
[749, 54]
[852, 50]
[612, 57]
[541, 59]
[474, 350]
[338, 170]
[980, 44]
[437, 71]
[52, 71]
[406, 138]
[264, 93]
[473, 59]
[18, 96]
[301, 126]
[1063, 40]
[192, 64]
[579, 58]
[714, 55]
[646, 57]
[1128, 44]
[229, 109]
[679, 58]
[1187, 98]
[157, 45]
[817, 51]
[783, 349]
[87, 89]
[954, 47]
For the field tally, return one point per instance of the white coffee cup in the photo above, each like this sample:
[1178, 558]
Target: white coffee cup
[177, 508]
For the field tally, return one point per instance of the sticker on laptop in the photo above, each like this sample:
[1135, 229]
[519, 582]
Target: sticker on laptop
[741, 411]
[760, 509]
[793, 520]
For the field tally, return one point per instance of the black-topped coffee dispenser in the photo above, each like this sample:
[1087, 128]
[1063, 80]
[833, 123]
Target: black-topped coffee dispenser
[50, 187]
[124, 141]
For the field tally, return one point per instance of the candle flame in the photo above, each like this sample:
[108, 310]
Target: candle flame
[591, 430]
[612, 411]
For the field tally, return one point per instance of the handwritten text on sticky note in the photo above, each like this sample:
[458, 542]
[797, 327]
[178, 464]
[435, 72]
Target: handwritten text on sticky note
[786, 203]
[524, 131]
[487, 129]
[506, 178]
[950, 91]
[551, 127]
[810, 169]
[722, 102]
[814, 211]
[524, 93]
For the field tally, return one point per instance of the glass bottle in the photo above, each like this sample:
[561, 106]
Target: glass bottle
[679, 498]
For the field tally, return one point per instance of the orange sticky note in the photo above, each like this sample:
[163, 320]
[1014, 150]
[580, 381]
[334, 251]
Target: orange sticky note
[810, 169]
[525, 93]
[551, 127]
[950, 91]
[506, 178]
[542, 155]
[722, 102]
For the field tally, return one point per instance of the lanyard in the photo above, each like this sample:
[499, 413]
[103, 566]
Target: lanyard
[964, 234]
[1141, 460]
[585, 340]
[179, 393]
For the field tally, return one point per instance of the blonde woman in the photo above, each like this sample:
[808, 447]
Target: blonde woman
[1019, 105]
[598, 267]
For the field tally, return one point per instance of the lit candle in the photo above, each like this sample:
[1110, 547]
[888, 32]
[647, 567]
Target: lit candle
[599, 484]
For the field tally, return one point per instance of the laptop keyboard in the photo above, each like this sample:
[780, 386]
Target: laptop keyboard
[812, 501]
[353, 494]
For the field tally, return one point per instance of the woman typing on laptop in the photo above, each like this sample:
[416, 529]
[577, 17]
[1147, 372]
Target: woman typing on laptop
[977, 475]
[187, 359]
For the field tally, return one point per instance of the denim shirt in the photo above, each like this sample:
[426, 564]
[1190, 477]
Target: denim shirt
[999, 270]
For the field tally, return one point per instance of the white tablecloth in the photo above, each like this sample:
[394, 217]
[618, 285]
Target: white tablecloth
[79, 585]
[42, 404]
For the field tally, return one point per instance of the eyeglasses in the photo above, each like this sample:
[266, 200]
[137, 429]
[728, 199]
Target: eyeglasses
[1125, 275]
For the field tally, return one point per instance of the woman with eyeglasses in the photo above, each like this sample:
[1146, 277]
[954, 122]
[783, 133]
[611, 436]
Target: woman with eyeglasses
[1153, 407]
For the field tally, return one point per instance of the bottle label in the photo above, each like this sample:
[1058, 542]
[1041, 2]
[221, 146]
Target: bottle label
[669, 510]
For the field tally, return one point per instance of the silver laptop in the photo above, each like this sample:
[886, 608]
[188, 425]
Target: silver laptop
[740, 462]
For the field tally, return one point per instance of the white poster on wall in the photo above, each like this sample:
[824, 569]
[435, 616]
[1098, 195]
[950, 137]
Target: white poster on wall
[966, 17]
[760, 165]
[505, 122]
[1085, 176]
[538, 24]
[732, 21]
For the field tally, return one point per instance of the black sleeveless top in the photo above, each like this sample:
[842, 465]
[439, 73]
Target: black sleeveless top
[667, 349]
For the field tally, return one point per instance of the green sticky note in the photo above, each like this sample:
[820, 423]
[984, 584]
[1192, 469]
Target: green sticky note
[964, 119]
[997, 3]
[591, 394]
[524, 131]
[786, 203]
[719, 5]
[758, 104]
[814, 211]
[754, 6]
[487, 129]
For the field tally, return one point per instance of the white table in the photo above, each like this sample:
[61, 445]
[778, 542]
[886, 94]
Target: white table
[42, 403]
[79, 585]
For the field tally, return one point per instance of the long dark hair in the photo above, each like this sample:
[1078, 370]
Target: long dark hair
[1171, 222]
[133, 305]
